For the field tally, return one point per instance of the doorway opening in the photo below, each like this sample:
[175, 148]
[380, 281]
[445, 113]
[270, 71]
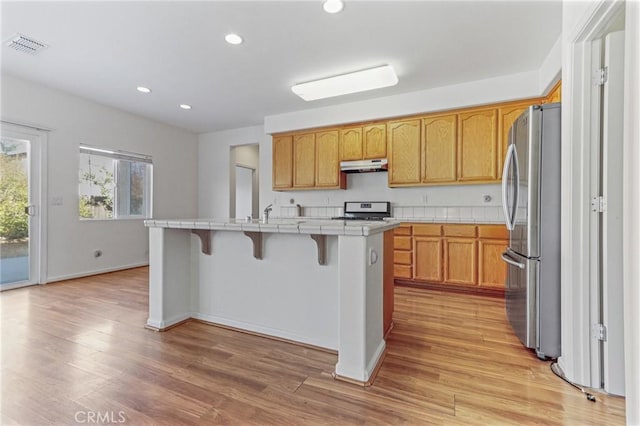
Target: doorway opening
[21, 206]
[244, 186]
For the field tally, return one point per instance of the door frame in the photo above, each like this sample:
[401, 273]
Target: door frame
[576, 135]
[38, 184]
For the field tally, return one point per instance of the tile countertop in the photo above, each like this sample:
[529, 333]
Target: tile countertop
[280, 225]
[471, 221]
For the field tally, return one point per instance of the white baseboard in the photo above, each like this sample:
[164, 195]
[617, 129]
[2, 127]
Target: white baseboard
[95, 272]
[168, 322]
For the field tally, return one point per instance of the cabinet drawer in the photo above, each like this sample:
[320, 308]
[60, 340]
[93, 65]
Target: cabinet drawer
[493, 231]
[402, 230]
[401, 243]
[402, 271]
[402, 257]
[427, 230]
[459, 230]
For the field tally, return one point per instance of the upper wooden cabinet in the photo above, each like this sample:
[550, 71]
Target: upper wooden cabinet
[439, 148]
[327, 163]
[282, 173]
[351, 144]
[478, 145]
[374, 137]
[304, 160]
[506, 116]
[307, 161]
[363, 143]
[555, 94]
[465, 146]
[404, 148]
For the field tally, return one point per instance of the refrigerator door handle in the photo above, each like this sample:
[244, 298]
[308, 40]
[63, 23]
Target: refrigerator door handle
[505, 256]
[510, 161]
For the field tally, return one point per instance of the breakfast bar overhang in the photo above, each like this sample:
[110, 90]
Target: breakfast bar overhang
[322, 283]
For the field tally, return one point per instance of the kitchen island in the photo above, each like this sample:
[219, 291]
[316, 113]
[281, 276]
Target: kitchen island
[315, 282]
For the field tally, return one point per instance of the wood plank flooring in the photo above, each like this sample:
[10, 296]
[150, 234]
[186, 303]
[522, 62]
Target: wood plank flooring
[77, 351]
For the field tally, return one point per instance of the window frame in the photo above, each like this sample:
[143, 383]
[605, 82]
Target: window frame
[118, 193]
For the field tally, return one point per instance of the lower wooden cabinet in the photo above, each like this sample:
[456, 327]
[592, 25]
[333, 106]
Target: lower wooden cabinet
[460, 260]
[428, 262]
[402, 251]
[492, 242]
[451, 256]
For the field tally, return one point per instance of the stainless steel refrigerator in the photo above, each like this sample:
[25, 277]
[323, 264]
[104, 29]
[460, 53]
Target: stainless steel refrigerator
[531, 202]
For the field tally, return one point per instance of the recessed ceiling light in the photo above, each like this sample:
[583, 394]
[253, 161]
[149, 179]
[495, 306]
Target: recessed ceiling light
[359, 81]
[333, 6]
[185, 106]
[143, 89]
[233, 39]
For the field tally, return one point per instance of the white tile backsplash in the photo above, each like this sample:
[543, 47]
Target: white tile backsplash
[478, 213]
[429, 212]
[453, 214]
[407, 212]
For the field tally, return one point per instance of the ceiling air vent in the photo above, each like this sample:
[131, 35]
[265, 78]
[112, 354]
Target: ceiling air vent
[25, 44]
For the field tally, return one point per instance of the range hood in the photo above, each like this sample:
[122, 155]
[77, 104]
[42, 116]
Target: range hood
[363, 166]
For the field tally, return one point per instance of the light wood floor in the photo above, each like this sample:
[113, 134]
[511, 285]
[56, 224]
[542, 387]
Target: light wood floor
[79, 347]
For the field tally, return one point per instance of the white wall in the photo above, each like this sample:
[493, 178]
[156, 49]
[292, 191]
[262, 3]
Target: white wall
[481, 92]
[76, 121]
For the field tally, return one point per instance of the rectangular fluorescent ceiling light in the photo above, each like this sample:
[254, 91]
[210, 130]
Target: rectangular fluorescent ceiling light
[360, 81]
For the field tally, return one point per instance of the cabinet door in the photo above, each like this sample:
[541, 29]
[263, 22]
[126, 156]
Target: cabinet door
[402, 242]
[427, 264]
[375, 141]
[351, 144]
[477, 145]
[492, 270]
[460, 259]
[304, 160]
[439, 148]
[327, 159]
[282, 162]
[506, 116]
[404, 152]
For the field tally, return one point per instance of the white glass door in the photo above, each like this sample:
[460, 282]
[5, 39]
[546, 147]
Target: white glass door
[20, 210]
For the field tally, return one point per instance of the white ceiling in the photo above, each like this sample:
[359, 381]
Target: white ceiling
[103, 50]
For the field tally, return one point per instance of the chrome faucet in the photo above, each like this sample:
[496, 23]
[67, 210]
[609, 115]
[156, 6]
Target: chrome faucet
[265, 213]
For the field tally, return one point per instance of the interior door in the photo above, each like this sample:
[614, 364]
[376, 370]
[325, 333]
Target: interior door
[612, 294]
[20, 207]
